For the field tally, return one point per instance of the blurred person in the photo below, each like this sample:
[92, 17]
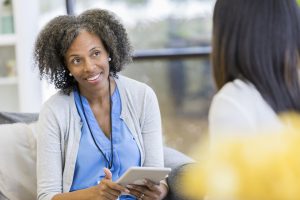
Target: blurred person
[255, 58]
[100, 123]
[255, 61]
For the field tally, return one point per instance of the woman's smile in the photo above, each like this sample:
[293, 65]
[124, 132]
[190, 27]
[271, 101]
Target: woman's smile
[94, 77]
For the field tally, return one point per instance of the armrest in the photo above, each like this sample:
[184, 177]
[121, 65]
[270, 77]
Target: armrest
[174, 158]
[178, 162]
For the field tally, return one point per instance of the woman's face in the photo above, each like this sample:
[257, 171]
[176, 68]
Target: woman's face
[87, 60]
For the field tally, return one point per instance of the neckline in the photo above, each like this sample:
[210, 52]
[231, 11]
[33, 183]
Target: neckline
[108, 160]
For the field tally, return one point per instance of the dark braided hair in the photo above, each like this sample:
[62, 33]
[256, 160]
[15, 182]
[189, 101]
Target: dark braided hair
[57, 36]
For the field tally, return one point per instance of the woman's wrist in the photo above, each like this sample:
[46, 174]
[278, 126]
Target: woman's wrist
[165, 184]
[164, 188]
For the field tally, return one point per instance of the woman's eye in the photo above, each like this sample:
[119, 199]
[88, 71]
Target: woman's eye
[76, 61]
[96, 53]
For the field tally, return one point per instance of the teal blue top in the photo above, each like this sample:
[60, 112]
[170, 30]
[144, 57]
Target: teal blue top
[60, 130]
[90, 162]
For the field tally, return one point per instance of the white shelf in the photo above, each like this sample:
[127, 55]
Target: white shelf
[7, 39]
[21, 93]
[8, 81]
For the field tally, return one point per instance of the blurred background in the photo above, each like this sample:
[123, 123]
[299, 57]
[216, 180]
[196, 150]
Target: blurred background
[171, 39]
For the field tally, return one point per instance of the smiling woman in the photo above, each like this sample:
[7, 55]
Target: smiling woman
[88, 62]
[100, 123]
[60, 33]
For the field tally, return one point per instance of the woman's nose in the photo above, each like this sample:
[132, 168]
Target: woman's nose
[89, 65]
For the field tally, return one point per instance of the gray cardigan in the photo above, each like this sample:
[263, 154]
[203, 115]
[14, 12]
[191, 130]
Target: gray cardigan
[59, 129]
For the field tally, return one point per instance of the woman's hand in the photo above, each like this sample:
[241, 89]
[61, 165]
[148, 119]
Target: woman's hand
[107, 189]
[148, 191]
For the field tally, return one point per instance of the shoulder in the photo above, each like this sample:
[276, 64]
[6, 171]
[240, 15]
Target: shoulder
[134, 87]
[58, 100]
[231, 102]
[236, 88]
[59, 105]
[239, 106]
[129, 82]
[243, 94]
[238, 93]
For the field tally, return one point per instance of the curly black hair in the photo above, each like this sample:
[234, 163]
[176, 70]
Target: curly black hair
[56, 37]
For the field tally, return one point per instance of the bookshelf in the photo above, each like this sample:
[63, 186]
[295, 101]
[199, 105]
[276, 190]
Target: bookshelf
[20, 87]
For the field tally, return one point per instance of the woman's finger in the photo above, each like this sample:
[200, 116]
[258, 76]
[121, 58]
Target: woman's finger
[115, 193]
[138, 191]
[114, 186]
[138, 194]
[108, 174]
[111, 190]
[151, 185]
[109, 196]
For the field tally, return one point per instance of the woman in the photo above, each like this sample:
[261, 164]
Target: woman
[99, 124]
[256, 47]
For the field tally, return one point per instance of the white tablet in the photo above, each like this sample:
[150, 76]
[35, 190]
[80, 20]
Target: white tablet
[136, 175]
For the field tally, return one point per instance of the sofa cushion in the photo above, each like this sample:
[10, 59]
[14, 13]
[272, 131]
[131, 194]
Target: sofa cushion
[18, 161]
[10, 117]
[174, 158]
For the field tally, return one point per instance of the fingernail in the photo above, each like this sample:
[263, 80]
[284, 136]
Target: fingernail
[127, 191]
[129, 186]
[145, 181]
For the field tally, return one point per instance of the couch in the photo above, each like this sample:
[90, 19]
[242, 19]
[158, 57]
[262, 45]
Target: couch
[18, 158]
